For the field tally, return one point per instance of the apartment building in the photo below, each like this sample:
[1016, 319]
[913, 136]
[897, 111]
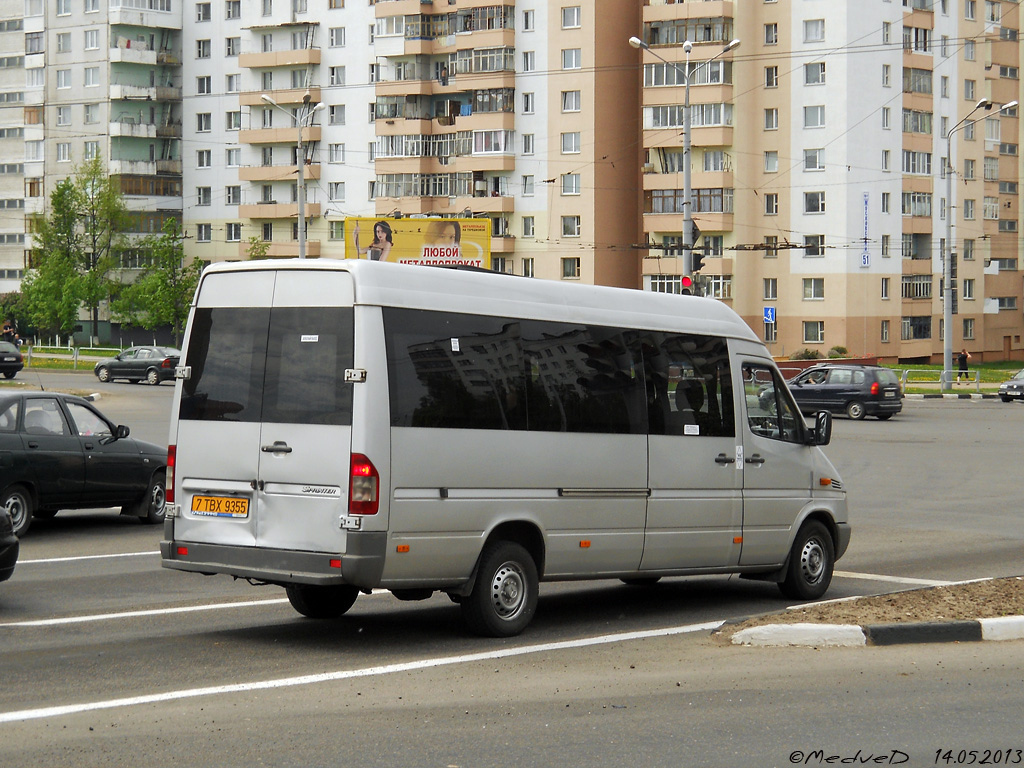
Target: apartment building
[102, 78]
[12, 144]
[819, 154]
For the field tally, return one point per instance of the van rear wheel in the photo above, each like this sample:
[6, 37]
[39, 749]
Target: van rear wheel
[317, 602]
[504, 597]
[811, 562]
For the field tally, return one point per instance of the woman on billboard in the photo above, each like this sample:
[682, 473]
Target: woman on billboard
[380, 246]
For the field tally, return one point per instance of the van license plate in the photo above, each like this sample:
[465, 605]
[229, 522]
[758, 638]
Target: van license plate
[220, 506]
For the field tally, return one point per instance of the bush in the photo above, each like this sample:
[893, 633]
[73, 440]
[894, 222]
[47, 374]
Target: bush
[838, 352]
[806, 354]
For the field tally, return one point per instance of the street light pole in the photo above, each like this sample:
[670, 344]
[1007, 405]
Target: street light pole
[947, 267]
[300, 161]
[687, 73]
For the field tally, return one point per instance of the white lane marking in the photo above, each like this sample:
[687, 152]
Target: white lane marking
[85, 557]
[136, 614]
[893, 579]
[347, 674]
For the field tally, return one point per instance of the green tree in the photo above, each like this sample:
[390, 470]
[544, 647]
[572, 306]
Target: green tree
[50, 289]
[258, 248]
[162, 294]
[76, 247]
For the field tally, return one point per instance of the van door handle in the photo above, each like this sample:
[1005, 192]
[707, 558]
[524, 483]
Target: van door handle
[755, 459]
[279, 446]
[723, 459]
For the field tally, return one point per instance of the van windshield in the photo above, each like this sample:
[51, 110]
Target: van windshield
[283, 365]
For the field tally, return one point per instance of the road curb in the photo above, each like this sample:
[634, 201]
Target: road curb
[952, 396]
[851, 635]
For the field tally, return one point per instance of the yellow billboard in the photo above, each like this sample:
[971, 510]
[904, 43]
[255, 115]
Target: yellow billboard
[420, 241]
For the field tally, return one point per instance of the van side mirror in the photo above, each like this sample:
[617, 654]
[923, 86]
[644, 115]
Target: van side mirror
[822, 428]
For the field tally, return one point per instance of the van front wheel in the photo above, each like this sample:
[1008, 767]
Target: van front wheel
[810, 563]
[316, 602]
[504, 597]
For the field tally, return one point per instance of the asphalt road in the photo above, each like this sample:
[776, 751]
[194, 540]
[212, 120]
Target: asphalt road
[157, 665]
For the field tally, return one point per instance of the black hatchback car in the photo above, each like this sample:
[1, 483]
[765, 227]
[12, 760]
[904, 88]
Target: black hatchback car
[8, 546]
[59, 452]
[856, 390]
[149, 364]
[11, 359]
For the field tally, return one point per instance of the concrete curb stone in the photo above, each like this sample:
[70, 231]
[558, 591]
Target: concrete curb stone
[850, 635]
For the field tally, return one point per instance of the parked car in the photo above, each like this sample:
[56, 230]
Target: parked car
[857, 390]
[151, 364]
[59, 452]
[1012, 389]
[11, 360]
[8, 546]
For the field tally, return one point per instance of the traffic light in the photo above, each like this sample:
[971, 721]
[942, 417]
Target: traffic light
[696, 262]
[687, 285]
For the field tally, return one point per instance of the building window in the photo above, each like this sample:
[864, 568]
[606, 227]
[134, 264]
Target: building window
[204, 85]
[528, 186]
[203, 49]
[571, 17]
[885, 198]
[771, 34]
[63, 115]
[570, 226]
[336, 37]
[529, 21]
[571, 143]
[814, 331]
[885, 242]
[63, 152]
[884, 336]
[336, 190]
[528, 267]
[204, 12]
[814, 117]
[204, 233]
[885, 288]
[771, 119]
[771, 161]
[233, 232]
[233, 195]
[232, 45]
[814, 202]
[968, 327]
[64, 42]
[204, 196]
[529, 99]
[203, 158]
[528, 141]
[63, 78]
[572, 58]
[814, 288]
[92, 39]
[336, 114]
[571, 101]
[204, 122]
[771, 288]
[570, 184]
[336, 153]
[814, 159]
[814, 245]
[771, 204]
[771, 246]
[719, 286]
[336, 76]
[771, 77]
[814, 30]
[528, 226]
[571, 268]
[814, 74]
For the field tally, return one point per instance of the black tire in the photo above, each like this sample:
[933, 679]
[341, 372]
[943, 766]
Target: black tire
[150, 508]
[18, 503]
[10, 374]
[153, 376]
[504, 597]
[641, 581]
[884, 416]
[103, 374]
[316, 602]
[1004, 399]
[811, 562]
[855, 410]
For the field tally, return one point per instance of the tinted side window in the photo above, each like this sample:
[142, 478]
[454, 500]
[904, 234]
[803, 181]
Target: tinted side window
[689, 385]
[9, 417]
[771, 411]
[227, 354]
[285, 365]
[448, 370]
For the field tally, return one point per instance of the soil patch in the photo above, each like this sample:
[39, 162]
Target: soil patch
[974, 600]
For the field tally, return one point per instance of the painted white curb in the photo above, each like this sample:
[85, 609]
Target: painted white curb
[802, 634]
[1003, 628]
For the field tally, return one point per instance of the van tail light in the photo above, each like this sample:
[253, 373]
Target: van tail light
[875, 389]
[363, 487]
[169, 480]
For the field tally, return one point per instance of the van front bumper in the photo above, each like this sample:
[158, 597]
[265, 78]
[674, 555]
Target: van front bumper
[361, 565]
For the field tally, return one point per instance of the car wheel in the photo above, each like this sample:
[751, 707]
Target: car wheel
[811, 561]
[103, 373]
[18, 503]
[150, 508]
[855, 410]
[504, 597]
[884, 416]
[1004, 399]
[318, 602]
[153, 376]
[10, 374]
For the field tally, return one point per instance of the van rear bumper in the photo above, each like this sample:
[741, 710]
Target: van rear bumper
[361, 566]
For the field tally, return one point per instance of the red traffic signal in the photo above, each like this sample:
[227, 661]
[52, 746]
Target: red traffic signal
[687, 285]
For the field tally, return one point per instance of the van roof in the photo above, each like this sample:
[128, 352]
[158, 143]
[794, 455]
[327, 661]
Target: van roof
[481, 292]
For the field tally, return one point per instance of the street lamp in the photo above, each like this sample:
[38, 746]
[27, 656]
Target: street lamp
[687, 73]
[300, 123]
[947, 267]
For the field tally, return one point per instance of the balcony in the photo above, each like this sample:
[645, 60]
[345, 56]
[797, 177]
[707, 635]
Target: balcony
[279, 135]
[283, 250]
[136, 167]
[281, 96]
[275, 210]
[128, 127]
[278, 172]
[168, 166]
[291, 58]
[132, 52]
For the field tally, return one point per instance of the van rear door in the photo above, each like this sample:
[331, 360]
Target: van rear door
[264, 426]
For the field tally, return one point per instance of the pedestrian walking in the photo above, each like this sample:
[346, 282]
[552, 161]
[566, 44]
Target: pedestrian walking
[961, 362]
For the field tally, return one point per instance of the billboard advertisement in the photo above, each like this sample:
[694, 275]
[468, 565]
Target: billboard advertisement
[419, 241]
